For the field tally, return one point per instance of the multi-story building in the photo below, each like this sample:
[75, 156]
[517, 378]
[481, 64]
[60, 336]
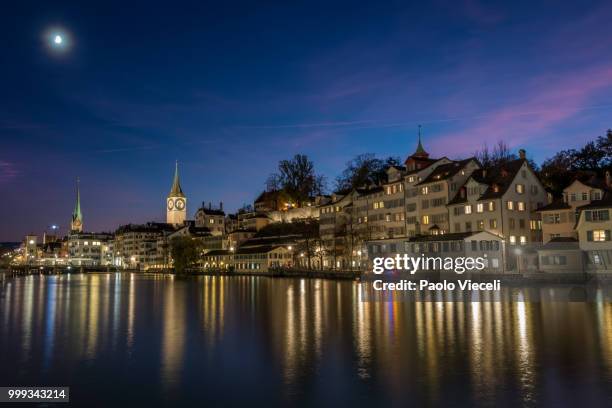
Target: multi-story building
[338, 231]
[594, 229]
[260, 259]
[436, 190]
[502, 200]
[559, 217]
[448, 245]
[90, 249]
[211, 218]
[136, 246]
[252, 221]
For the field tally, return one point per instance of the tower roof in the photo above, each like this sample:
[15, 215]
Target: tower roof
[76, 214]
[420, 151]
[176, 190]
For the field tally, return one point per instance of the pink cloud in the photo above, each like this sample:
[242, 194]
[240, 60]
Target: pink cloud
[7, 172]
[546, 103]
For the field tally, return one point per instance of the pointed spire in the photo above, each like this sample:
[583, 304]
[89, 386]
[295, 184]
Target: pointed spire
[77, 217]
[176, 190]
[420, 151]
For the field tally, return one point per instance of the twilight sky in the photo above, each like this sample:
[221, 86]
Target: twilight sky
[230, 90]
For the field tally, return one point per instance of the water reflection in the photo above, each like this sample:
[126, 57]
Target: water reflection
[244, 339]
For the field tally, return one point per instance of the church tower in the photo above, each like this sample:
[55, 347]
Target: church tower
[76, 225]
[419, 159]
[176, 203]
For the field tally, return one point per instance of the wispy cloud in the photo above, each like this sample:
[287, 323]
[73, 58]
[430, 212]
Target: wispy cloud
[547, 102]
[7, 172]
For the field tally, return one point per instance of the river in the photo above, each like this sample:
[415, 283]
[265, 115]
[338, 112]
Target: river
[119, 339]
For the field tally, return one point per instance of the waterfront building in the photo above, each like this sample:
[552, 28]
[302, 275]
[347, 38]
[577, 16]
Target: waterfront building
[449, 245]
[218, 259]
[594, 228]
[339, 236]
[90, 249]
[176, 202]
[136, 245]
[260, 259]
[30, 249]
[561, 254]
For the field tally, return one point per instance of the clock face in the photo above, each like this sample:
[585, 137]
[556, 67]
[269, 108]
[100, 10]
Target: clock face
[180, 204]
[170, 204]
[77, 223]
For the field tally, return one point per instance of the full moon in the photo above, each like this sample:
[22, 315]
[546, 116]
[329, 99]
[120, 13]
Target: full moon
[58, 39]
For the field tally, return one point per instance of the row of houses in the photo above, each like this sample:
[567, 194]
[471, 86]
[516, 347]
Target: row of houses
[427, 205]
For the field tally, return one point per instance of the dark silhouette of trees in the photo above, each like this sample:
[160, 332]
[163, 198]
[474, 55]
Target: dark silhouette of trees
[593, 159]
[185, 253]
[363, 170]
[297, 178]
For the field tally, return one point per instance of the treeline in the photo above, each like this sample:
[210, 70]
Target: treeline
[593, 159]
[298, 180]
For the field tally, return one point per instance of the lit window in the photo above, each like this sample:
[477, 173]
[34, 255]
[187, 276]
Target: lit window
[425, 219]
[491, 205]
[599, 235]
[520, 188]
[424, 190]
[520, 205]
[493, 223]
[468, 209]
[512, 239]
[523, 240]
[479, 207]
[510, 205]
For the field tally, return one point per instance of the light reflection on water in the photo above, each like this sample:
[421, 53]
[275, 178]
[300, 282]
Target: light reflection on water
[236, 340]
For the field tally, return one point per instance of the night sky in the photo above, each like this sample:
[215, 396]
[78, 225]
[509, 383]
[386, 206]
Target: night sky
[228, 90]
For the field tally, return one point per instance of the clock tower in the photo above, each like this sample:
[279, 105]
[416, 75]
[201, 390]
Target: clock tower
[76, 224]
[176, 203]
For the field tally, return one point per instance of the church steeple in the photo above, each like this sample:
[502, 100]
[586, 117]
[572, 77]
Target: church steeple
[76, 224]
[176, 190]
[176, 203]
[420, 151]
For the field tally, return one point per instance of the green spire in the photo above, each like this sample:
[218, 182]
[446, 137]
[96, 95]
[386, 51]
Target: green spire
[176, 190]
[76, 214]
[420, 151]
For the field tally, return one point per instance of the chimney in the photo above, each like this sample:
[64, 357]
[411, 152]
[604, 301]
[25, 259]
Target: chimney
[210, 205]
[608, 179]
[484, 173]
[522, 154]
[221, 205]
[462, 192]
